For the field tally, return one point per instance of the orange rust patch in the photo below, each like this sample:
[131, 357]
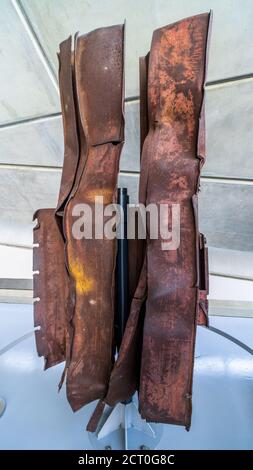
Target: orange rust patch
[99, 192]
[84, 283]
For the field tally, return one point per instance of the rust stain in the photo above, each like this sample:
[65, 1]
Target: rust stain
[84, 284]
[94, 193]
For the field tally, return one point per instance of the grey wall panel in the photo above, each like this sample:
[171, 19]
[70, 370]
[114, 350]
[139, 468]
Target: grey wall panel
[229, 111]
[231, 52]
[40, 142]
[225, 212]
[33, 143]
[26, 89]
[232, 263]
[15, 232]
[130, 158]
[131, 182]
[22, 191]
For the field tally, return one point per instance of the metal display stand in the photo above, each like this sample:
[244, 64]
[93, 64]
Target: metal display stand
[122, 427]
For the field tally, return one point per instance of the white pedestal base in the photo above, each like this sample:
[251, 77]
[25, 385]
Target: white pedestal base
[122, 427]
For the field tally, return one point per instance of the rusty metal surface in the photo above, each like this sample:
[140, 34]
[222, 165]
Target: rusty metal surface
[76, 281]
[175, 96]
[124, 379]
[100, 83]
[51, 287]
[71, 144]
[54, 310]
[91, 262]
[175, 282]
[76, 284]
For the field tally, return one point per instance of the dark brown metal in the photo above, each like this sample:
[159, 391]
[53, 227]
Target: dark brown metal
[91, 262]
[124, 380]
[51, 287]
[125, 375]
[175, 282]
[52, 284]
[69, 111]
[76, 308]
[175, 96]
[76, 284]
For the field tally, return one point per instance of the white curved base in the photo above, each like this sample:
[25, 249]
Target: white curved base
[37, 417]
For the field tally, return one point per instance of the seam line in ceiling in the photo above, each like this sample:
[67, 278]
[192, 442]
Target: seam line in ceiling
[35, 40]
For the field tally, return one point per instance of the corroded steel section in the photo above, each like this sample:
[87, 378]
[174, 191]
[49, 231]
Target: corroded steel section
[52, 285]
[91, 262]
[175, 96]
[51, 288]
[174, 283]
[76, 280]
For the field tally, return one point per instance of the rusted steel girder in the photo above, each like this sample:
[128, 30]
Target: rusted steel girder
[76, 308]
[52, 284]
[51, 287]
[171, 297]
[156, 354]
[175, 154]
[91, 262]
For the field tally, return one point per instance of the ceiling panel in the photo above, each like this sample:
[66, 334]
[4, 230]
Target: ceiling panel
[26, 89]
[228, 129]
[226, 214]
[231, 52]
[229, 111]
[234, 263]
[33, 143]
[225, 208]
[40, 142]
[23, 191]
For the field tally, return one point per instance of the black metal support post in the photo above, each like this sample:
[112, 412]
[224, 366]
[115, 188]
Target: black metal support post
[122, 269]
